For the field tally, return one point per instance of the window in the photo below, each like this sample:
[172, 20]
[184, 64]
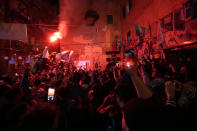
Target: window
[110, 19]
[124, 12]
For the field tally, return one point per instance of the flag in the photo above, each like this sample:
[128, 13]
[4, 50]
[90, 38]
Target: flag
[64, 56]
[45, 53]
[11, 31]
[28, 60]
[129, 37]
[127, 8]
[139, 30]
[142, 31]
[160, 35]
[179, 19]
[24, 83]
[150, 31]
[12, 61]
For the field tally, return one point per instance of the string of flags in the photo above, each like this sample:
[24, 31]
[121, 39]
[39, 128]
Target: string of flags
[173, 28]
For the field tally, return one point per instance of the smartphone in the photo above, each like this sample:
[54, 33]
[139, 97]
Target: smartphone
[16, 74]
[51, 94]
[129, 52]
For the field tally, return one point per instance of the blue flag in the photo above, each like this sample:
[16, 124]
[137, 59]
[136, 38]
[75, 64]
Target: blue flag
[139, 30]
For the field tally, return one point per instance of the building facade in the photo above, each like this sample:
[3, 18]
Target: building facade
[38, 15]
[156, 24]
[90, 43]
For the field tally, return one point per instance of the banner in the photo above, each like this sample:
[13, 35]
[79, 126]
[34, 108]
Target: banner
[11, 31]
[64, 56]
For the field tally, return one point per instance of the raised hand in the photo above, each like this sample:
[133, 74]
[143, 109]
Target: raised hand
[170, 90]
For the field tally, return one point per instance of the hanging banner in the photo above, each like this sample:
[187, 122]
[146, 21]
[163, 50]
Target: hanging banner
[64, 56]
[11, 31]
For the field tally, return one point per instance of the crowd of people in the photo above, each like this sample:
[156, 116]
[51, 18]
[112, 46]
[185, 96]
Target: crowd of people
[149, 95]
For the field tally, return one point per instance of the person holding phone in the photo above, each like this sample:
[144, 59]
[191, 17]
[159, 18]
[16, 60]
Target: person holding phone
[141, 111]
[51, 94]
